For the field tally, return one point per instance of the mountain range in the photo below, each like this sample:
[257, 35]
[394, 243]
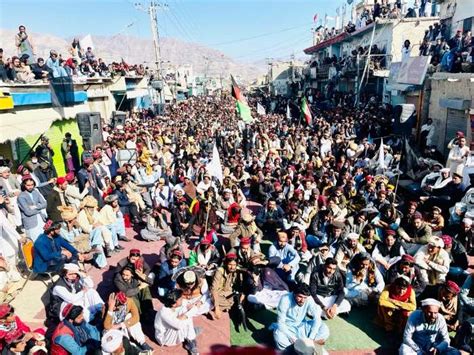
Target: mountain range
[134, 50]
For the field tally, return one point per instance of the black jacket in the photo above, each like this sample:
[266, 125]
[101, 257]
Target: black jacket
[334, 287]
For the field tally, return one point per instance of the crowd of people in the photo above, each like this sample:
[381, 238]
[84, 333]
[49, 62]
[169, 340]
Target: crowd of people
[382, 9]
[448, 53]
[77, 63]
[306, 219]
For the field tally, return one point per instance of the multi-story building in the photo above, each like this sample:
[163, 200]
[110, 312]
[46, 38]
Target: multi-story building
[341, 60]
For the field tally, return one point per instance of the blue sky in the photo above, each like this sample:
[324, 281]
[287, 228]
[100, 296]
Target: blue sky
[281, 26]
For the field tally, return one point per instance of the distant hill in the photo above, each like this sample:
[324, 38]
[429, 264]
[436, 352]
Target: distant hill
[133, 50]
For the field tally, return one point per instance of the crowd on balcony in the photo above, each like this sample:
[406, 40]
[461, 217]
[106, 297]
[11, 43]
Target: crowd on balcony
[448, 54]
[77, 63]
[383, 9]
[336, 67]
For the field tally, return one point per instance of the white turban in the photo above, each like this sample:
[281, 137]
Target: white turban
[71, 267]
[112, 340]
[430, 302]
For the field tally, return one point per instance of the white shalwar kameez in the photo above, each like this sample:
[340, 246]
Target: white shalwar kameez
[205, 299]
[269, 298]
[9, 238]
[89, 300]
[171, 331]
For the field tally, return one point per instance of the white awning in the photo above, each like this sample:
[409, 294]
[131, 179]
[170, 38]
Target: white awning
[133, 94]
[34, 121]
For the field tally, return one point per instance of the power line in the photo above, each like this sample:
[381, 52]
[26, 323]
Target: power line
[188, 19]
[280, 46]
[259, 36]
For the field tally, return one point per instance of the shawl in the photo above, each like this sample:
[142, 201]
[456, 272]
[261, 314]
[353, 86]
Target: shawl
[402, 298]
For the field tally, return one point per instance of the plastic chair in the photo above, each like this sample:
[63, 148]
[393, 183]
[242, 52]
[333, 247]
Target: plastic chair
[27, 251]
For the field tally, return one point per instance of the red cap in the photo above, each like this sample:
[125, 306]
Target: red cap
[452, 287]
[135, 251]
[60, 180]
[460, 134]
[48, 224]
[205, 241]
[26, 177]
[96, 154]
[408, 258]
[70, 177]
[245, 241]
[390, 232]
[67, 309]
[177, 252]
[447, 239]
[231, 256]
[121, 297]
[417, 215]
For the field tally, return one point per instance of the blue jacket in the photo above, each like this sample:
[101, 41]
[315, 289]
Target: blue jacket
[123, 199]
[45, 252]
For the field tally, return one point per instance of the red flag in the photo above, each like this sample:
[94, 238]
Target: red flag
[315, 18]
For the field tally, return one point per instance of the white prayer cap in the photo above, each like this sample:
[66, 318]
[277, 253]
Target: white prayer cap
[112, 340]
[189, 277]
[436, 241]
[4, 169]
[467, 221]
[178, 189]
[353, 236]
[430, 302]
[445, 170]
[71, 267]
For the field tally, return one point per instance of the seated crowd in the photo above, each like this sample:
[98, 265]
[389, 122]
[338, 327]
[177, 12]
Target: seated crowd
[303, 221]
[77, 63]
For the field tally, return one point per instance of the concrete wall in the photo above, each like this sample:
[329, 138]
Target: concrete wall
[458, 10]
[414, 31]
[449, 86]
[382, 38]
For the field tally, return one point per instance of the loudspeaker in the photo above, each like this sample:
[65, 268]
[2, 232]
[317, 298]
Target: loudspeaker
[118, 118]
[90, 128]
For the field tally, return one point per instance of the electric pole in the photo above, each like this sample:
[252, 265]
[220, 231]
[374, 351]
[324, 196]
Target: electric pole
[152, 10]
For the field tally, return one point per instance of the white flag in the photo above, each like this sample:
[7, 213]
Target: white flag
[260, 109]
[381, 155]
[288, 112]
[87, 42]
[214, 168]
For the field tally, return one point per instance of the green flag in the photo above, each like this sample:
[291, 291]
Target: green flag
[242, 107]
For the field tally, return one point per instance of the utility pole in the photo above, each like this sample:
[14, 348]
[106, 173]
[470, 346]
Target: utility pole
[269, 75]
[151, 10]
[155, 34]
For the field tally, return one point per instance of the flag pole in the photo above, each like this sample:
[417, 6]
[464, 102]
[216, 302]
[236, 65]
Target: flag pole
[400, 172]
[207, 215]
